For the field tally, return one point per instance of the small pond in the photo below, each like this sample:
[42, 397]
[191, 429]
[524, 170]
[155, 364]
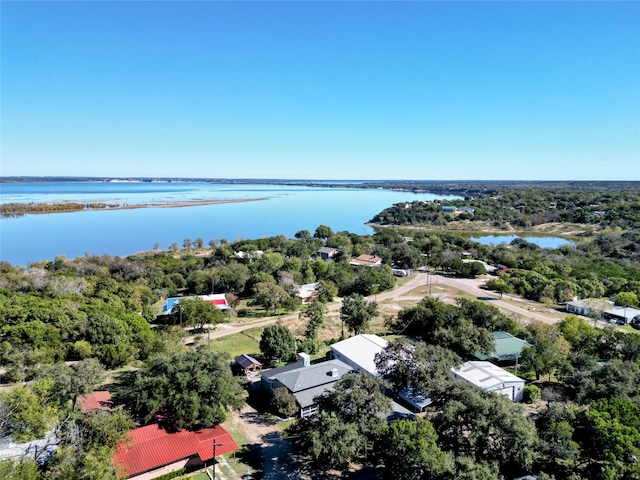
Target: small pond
[542, 242]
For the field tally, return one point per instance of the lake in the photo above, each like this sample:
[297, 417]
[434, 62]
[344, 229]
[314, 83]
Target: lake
[287, 210]
[542, 242]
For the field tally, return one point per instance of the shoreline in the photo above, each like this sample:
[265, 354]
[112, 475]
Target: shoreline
[32, 208]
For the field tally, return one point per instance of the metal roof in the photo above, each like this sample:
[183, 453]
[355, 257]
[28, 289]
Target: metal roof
[99, 400]
[485, 375]
[361, 350]
[508, 347]
[152, 447]
[247, 361]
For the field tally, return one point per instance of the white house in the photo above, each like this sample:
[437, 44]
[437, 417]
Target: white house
[491, 378]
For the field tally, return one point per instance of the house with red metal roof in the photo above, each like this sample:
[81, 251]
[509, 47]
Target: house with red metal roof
[152, 451]
[99, 400]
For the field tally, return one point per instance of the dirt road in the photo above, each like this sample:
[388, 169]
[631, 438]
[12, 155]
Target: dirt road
[472, 286]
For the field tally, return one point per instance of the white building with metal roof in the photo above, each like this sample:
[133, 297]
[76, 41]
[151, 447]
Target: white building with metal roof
[359, 352]
[491, 378]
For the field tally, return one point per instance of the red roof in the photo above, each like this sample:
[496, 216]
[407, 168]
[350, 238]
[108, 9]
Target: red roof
[100, 400]
[152, 447]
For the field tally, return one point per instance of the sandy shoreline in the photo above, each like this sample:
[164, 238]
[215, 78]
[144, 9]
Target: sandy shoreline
[189, 203]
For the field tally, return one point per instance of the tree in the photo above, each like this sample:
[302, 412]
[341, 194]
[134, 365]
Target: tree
[28, 415]
[11, 469]
[486, 426]
[323, 232]
[71, 382]
[270, 295]
[277, 343]
[425, 368]
[195, 312]
[499, 285]
[284, 402]
[347, 424]
[543, 357]
[314, 314]
[626, 299]
[556, 426]
[356, 312]
[609, 434]
[410, 451]
[190, 388]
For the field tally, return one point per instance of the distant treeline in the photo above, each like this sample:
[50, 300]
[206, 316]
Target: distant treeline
[513, 206]
[8, 210]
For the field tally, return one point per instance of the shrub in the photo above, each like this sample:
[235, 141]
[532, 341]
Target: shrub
[531, 393]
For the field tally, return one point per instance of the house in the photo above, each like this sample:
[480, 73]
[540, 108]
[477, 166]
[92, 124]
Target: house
[359, 352]
[309, 292]
[99, 400]
[247, 364]
[586, 306]
[217, 299]
[606, 309]
[305, 381]
[491, 378]
[508, 348]
[153, 452]
[251, 256]
[366, 260]
[327, 253]
[448, 209]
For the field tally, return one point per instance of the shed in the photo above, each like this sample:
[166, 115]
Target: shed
[248, 364]
[491, 378]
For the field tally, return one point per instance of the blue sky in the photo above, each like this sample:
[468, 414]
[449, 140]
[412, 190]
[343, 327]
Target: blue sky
[326, 90]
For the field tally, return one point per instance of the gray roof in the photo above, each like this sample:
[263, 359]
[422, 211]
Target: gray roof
[302, 378]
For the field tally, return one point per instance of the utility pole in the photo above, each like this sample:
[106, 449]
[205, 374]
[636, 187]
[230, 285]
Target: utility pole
[215, 444]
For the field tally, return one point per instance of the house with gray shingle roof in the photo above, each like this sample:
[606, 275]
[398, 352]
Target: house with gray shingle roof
[305, 381]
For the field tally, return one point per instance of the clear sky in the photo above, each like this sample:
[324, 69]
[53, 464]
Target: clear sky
[325, 90]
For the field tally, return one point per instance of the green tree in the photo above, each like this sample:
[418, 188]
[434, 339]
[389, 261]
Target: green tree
[197, 313]
[410, 451]
[499, 285]
[71, 382]
[323, 232]
[347, 424]
[277, 344]
[23, 469]
[486, 426]
[556, 426]
[409, 363]
[626, 299]
[271, 296]
[28, 415]
[284, 402]
[314, 314]
[357, 312]
[191, 387]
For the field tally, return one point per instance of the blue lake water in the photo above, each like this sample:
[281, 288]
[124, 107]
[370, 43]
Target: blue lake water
[288, 209]
[542, 242]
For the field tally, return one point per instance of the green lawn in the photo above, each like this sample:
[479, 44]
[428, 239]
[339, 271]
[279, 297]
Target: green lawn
[244, 342]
